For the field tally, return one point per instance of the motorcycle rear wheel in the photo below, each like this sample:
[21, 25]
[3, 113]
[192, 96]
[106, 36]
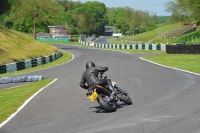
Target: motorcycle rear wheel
[104, 104]
[126, 99]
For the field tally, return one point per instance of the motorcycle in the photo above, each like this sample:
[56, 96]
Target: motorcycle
[102, 94]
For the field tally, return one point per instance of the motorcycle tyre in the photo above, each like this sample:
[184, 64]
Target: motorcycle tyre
[124, 98]
[104, 103]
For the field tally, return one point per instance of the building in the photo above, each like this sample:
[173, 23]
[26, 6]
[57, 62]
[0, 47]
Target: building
[59, 31]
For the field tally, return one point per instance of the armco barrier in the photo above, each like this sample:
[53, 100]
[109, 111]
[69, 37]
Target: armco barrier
[50, 58]
[39, 61]
[20, 65]
[43, 60]
[34, 62]
[136, 46]
[28, 64]
[2, 68]
[47, 59]
[16, 66]
[11, 67]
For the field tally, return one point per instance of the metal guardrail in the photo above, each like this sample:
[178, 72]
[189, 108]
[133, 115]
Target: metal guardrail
[136, 46]
[16, 66]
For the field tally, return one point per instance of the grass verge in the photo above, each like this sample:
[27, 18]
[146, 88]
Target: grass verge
[189, 62]
[142, 51]
[11, 99]
[16, 47]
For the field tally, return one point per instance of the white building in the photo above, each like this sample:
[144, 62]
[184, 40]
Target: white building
[58, 31]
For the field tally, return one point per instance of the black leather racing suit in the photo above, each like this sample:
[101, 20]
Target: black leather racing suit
[90, 76]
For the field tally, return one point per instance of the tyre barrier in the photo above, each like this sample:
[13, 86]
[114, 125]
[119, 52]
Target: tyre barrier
[16, 66]
[140, 46]
[183, 49]
[25, 78]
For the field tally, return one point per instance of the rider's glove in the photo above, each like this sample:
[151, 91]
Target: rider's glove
[90, 91]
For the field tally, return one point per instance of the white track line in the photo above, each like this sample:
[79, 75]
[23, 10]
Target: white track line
[170, 67]
[24, 104]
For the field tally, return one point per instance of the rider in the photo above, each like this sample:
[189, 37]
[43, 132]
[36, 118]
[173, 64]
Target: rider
[90, 76]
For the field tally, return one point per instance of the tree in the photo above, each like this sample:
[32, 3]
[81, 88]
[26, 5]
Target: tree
[194, 8]
[84, 23]
[128, 19]
[63, 3]
[86, 18]
[155, 18]
[98, 12]
[36, 12]
[4, 6]
[183, 10]
[110, 13]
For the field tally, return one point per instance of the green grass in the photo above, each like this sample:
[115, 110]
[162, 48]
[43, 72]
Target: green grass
[189, 62]
[142, 51]
[16, 47]
[115, 41]
[191, 38]
[149, 35]
[11, 99]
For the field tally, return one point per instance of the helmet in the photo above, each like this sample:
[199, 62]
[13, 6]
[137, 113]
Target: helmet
[90, 64]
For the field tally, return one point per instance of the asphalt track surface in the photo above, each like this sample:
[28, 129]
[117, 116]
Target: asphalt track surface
[164, 100]
[103, 40]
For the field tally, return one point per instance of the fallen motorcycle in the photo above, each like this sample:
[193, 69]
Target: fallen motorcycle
[102, 94]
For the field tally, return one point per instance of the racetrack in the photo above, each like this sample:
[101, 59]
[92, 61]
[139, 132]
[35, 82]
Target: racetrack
[164, 100]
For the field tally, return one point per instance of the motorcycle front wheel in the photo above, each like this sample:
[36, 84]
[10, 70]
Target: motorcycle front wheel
[126, 99]
[104, 104]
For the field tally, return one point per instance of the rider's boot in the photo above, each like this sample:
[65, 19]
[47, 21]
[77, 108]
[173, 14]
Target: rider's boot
[112, 95]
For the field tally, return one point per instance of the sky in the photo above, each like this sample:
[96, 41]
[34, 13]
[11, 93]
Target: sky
[153, 6]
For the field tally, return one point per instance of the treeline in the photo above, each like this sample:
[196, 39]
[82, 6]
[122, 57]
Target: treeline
[183, 10]
[131, 21]
[32, 16]
[86, 18]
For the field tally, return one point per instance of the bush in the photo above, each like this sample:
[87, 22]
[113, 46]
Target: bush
[74, 38]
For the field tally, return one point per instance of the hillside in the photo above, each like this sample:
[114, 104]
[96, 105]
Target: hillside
[148, 36]
[15, 47]
[158, 36]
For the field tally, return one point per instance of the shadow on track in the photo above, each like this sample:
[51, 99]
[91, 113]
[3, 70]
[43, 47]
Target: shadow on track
[101, 110]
